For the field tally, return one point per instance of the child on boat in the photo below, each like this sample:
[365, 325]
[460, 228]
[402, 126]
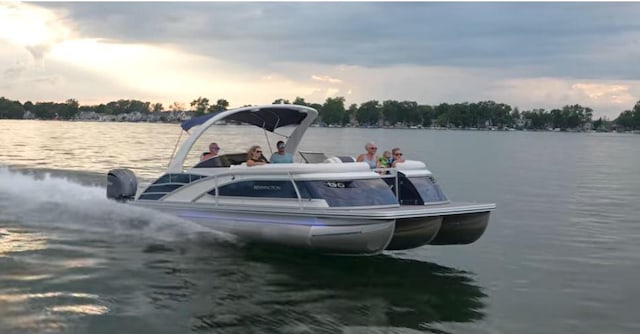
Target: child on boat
[386, 159]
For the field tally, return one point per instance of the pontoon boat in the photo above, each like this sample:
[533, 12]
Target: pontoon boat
[328, 204]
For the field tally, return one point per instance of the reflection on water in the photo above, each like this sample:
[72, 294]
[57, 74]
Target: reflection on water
[12, 241]
[271, 289]
[29, 300]
[206, 285]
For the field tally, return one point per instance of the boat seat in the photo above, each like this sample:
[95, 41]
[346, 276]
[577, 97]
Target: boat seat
[340, 159]
[224, 160]
[209, 163]
[345, 158]
[313, 157]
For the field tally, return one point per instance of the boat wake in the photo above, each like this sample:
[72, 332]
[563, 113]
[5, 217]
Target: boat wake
[50, 202]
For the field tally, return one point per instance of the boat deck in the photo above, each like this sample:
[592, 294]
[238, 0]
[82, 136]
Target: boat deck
[403, 211]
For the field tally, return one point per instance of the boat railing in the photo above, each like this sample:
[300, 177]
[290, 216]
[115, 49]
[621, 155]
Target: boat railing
[387, 173]
[384, 173]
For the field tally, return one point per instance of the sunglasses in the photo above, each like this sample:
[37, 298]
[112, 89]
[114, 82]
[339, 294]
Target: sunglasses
[373, 148]
[215, 148]
[281, 146]
[258, 151]
[400, 154]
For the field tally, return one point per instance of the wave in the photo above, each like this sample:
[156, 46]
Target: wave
[38, 199]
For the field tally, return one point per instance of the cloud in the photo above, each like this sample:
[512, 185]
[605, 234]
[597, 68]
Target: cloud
[32, 27]
[605, 93]
[553, 38]
[604, 96]
[325, 78]
[526, 54]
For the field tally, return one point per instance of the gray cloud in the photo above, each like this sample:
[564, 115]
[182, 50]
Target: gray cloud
[559, 39]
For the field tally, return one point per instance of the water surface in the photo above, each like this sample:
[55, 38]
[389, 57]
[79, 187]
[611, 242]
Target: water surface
[560, 254]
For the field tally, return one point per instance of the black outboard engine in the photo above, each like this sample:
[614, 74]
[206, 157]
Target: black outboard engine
[121, 185]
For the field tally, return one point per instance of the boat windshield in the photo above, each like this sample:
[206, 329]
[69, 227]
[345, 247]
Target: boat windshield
[428, 189]
[349, 193]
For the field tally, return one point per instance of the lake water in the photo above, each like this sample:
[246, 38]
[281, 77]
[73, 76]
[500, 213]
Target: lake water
[561, 253]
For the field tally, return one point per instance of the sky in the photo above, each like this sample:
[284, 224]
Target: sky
[528, 55]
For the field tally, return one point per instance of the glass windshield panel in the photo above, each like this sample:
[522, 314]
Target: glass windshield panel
[428, 188]
[348, 192]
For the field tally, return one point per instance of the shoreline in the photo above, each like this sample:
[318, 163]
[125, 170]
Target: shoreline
[398, 127]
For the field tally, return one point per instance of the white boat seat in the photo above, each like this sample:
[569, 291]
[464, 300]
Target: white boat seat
[224, 160]
[313, 157]
[339, 159]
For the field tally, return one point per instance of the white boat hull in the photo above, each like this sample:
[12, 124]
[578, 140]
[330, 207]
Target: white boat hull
[361, 232]
[339, 235]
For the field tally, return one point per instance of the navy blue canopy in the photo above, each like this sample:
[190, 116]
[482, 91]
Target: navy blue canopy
[268, 118]
[188, 124]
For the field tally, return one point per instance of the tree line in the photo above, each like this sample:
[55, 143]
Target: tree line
[371, 113]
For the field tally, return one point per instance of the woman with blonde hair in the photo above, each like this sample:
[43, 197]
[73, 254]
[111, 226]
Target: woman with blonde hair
[370, 156]
[254, 156]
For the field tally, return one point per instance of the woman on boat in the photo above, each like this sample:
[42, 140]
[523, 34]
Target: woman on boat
[370, 157]
[254, 156]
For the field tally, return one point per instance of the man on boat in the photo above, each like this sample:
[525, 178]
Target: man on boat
[213, 151]
[281, 156]
[397, 156]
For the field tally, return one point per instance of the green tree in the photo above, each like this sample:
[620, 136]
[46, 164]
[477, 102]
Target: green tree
[300, 101]
[636, 116]
[368, 113]
[11, 109]
[100, 109]
[28, 106]
[427, 114]
[201, 105]
[515, 114]
[221, 105]
[157, 107]
[70, 110]
[177, 106]
[410, 113]
[391, 111]
[332, 111]
[350, 114]
[49, 110]
[625, 119]
[459, 115]
[602, 124]
[442, 114]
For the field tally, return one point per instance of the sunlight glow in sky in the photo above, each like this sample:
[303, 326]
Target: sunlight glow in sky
[57, 51]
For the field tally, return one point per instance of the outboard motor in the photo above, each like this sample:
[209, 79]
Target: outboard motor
[121, 185]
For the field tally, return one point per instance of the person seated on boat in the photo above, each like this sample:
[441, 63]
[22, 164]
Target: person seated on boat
[397, 156]
[213, 152]
[281, 156]
[386, 160]
[255, 157]
[370, 156]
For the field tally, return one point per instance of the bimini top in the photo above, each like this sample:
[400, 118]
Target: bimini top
[268, 117]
